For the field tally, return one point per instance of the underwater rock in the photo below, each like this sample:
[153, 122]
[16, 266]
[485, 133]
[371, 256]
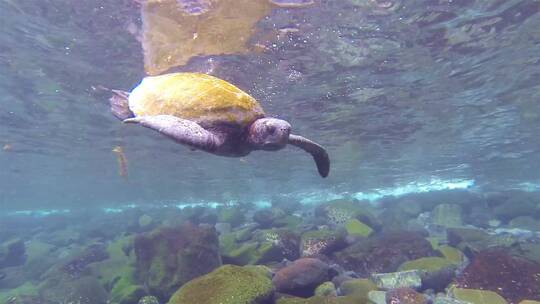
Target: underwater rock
[317, 300]
[266, 217]
[169, 257]
[287, 241]
[12, 253]
[377, 297]
[405, 296]
[145, 221]
[289, 221]
[148, 300]
[525, 222]
[326, 289]
[514, 278]
[322, 242]
[447, 215]
[266, 246]
[401, 279]
[383, 253]
[516, 205]
[60, 238]
[357, 289]
[477, 296]
[232, 215]
[469, 239]
[436, 272]
[452, 254]
[444, 299]
[301, 277]
[226, 284]
[355, 227]
[117, 273]
[83, 290]
[222, 228]
[338, 212]
[530, 251]
[77, 266]
[289, 206]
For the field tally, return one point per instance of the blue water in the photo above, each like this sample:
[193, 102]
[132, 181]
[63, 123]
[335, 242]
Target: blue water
[399, 95]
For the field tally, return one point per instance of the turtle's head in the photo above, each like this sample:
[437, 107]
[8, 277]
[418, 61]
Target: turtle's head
[269, 134]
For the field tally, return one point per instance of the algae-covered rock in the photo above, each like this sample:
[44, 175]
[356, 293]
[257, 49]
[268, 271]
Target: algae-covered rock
[228, 284]
[452, 254]
[62, 289]
[525, 222]
[409, 279]
[512, 277]
[326, 289]
[301, 277]
[338, 212]
[322, 241]
[355, 227]
[169, 257]
[272, 245]
[428, 264]
[232, 215]
[377, 297]
[126, 291]
[148, 300]
[384, 253]
[477, 296]
[358, 289]
[12, 253]
[145, 221]
[444, 299]
[317, 300]
[405, 296]
[20, 294]
[290, 221]
[436, 272]
[447, 215]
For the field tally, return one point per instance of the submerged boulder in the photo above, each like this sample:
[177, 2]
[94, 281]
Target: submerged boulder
[512, 277]
[228, 284]
[301, 277]
[12, 253]
[384, 253]
[169, 257]
[322, 241]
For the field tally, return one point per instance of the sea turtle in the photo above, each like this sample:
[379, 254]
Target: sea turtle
[209, 114]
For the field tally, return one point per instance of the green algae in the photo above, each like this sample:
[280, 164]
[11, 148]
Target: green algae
[319, 300]
[27, 289]
[452, 254]
[429, 264]
[358, 289]
[229, 285]
[357, 228]
[477, 296]
[326, 289]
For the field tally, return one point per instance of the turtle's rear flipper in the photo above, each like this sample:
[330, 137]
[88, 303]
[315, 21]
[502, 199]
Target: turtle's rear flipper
[119, 105]
[181, 130]
[317, 151]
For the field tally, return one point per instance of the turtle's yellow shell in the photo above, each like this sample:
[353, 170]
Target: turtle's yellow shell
[195, 96]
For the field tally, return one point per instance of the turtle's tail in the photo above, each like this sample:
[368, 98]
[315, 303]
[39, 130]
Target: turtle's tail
[119, 105]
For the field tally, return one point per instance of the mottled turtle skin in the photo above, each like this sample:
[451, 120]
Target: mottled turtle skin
[207, 113]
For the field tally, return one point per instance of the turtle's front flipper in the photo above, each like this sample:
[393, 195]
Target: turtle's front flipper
[181, 130]
[317, 151]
